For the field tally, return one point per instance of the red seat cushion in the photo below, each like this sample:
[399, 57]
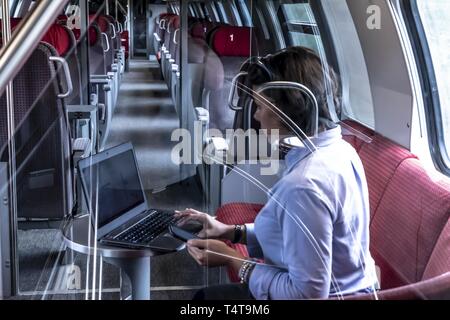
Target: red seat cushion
[352, 132]
[228, 41]
[408, 222]
[102, 21]
[238, 213]
[381, 158]
[439, 262]
[59, 38]
[92, 35]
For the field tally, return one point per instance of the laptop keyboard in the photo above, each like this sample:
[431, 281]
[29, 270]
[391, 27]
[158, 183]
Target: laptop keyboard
[147, 229]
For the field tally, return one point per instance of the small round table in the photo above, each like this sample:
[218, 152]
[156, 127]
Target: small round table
[134, 263]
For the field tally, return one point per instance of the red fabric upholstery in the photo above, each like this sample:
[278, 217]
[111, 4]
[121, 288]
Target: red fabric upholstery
[410, 221]
[171, 22]
[15, 22]
[380, 158]
[439, 262]
[405, 228]
[238, 213]
[228, 41]
[201, 28]
[59, 38]
[103, 22]
[351, 130]
[431, 289]
[62, 19]
[176, 23]
[407, 224]
[92, 35]
[164, 16]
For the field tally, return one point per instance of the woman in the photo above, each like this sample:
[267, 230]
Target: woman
[313, 233]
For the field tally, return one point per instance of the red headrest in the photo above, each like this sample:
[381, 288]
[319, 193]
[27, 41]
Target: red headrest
[166, 15]
[59, 38]
[92, 35]
[102, 21]
[200, 29]
[170, 25]
[230, 41]
[176, 23]
[15, 22]
[62, 18]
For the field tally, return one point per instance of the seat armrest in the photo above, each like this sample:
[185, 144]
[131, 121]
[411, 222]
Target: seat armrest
[219, 144]
[100, 79]
[437, 288]
[82, 148]
[202, 114]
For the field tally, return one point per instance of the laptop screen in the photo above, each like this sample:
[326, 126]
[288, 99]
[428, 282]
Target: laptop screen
[113, 187]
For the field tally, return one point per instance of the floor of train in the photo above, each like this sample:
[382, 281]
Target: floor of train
[145, 115]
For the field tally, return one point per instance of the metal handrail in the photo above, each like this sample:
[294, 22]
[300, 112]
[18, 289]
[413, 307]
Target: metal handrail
[26, 38]
[66, 71]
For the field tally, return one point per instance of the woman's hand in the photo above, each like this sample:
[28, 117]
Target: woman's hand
[214, 253]
[211, 227]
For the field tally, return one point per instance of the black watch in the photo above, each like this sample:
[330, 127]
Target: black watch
[237, 233]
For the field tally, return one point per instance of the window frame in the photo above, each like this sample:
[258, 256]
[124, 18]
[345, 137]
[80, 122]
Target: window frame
[244, 11]
[428, 81]
[221, 11]
[325, 35]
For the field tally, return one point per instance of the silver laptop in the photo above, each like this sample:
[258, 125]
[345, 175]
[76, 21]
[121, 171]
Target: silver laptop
[118, 205]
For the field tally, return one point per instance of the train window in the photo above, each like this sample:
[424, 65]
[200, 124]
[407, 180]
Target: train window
[232, 13]
[212, 12]
[300, 25]
[221, 12]
[244, 12]
[192, 12]
[432, 20]
[199, 10]
[206, 12]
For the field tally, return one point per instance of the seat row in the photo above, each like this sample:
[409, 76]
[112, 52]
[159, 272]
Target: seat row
[53, 125]
[215, 54]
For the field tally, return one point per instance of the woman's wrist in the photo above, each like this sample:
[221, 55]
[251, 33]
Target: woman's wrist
[229, 232]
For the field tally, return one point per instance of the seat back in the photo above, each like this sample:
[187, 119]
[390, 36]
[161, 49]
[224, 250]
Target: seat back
[409, 212]
[41, 138]
[97, 58]
[408, 223]
[105, 28]
[231, 46]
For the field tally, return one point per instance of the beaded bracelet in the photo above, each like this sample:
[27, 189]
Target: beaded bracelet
[245, 270]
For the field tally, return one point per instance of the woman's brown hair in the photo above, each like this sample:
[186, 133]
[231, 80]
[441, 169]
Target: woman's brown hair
[304, 66]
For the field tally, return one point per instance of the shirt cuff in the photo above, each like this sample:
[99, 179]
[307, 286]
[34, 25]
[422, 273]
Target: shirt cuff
[253, 247]
[260, 281]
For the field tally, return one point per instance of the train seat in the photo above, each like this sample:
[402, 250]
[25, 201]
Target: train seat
[43, 157]
[159, 34]
[410, 226]
[165, 48]
[232, 46]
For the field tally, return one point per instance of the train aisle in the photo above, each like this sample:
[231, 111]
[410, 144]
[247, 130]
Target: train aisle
[145, 116]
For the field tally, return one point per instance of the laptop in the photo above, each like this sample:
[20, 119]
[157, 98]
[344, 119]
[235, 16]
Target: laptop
[116, 200]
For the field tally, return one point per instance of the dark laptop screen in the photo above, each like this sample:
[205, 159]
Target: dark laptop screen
[119, 189]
